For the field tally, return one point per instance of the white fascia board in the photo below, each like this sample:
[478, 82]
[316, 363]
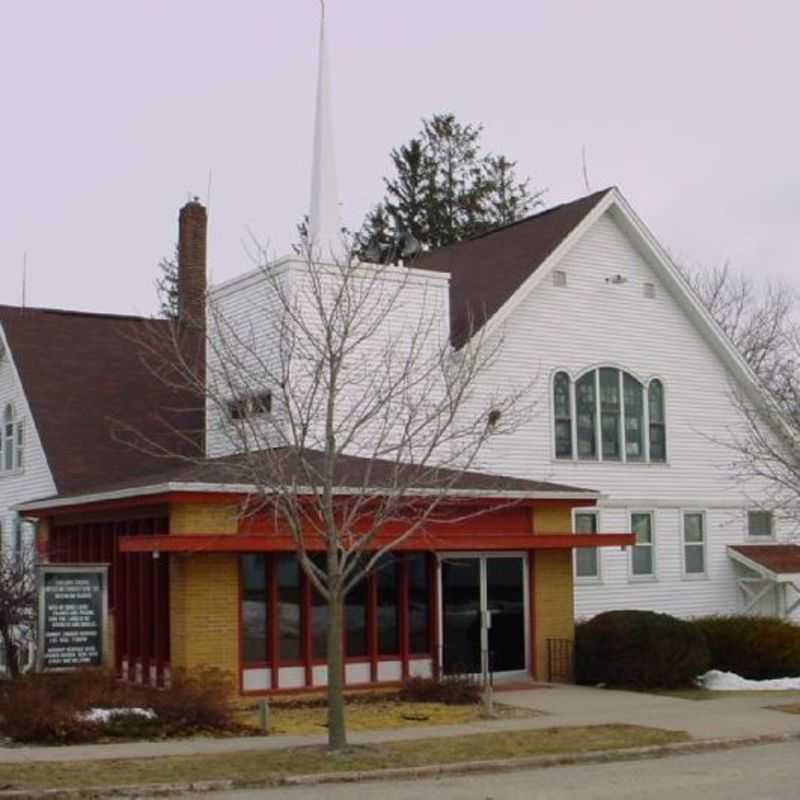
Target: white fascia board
[245, 489]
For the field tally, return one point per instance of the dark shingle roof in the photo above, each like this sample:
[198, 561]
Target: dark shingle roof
[486, 270]
[83, 373]
[352, 472]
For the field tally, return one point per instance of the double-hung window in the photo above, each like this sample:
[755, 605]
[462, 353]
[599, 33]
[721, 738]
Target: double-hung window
[694, 543]
[587, 559]
[643, 551]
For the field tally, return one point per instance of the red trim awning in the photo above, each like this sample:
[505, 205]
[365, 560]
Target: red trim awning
[249, 543]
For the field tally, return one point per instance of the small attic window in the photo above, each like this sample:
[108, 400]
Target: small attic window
[650, 290]
[559, 278]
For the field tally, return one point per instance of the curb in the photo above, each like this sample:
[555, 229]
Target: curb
[428, 771]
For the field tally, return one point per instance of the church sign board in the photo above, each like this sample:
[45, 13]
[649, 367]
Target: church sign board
[73, 613]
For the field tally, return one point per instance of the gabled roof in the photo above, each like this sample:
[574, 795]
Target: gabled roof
[82, 374]
[230, 474]
[780, 559]
[487, 270]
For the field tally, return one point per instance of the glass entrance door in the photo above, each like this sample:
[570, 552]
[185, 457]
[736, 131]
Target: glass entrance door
[484, 612]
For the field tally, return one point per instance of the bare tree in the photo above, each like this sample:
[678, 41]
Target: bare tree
[17, 606]
[333, 391]
[762, 320]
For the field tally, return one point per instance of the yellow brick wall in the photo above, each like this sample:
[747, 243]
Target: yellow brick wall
[204, 611]
[202, 518]
[553, 600]
[204, 593]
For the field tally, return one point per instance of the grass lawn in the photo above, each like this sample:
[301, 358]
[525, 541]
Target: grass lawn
[266, 765]
[377, 716]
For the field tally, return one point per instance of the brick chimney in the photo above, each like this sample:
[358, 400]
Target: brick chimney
[192, 227]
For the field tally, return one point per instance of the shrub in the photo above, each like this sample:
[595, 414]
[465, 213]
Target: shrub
[46, 707]
[639, 650]
[452, 690]
[197, 700]
[753, 647]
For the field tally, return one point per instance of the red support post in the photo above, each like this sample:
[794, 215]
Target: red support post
[404, 626]
[274, 621]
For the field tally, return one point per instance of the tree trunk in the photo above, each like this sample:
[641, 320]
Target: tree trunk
[10, 652]
[337, 733]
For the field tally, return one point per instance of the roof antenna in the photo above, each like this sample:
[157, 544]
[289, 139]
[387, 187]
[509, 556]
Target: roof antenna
[585, 170]
[24, 277]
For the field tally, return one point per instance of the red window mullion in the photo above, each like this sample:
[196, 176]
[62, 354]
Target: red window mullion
[306, 625]
[404, 626]
[372, 625]
[273, 620]
[433, 614]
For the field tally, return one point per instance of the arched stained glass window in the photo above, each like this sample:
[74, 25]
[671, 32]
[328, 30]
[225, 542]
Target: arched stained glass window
[617, 417]
[658, 426]
[562, 409]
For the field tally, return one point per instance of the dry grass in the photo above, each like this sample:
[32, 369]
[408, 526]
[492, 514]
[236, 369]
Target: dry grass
[270, 765]
[373, 716]
[707, 694]
[786, 708]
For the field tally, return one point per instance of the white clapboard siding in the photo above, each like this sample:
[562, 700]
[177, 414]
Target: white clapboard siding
[34, 480]
[594, 322]
[403, 302]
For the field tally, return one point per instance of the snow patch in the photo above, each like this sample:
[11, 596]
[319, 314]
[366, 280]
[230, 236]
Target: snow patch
[107, 714]
[718, 681]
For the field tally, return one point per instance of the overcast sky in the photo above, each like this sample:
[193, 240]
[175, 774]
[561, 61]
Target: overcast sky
[115, 113]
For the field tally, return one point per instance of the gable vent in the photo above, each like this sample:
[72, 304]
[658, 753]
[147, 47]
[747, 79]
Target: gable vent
[650, 290]
[559, 278]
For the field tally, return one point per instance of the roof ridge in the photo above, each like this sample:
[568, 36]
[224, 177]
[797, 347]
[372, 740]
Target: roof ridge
[538, 215]
[67, 312]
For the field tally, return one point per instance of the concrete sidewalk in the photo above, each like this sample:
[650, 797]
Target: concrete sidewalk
[730, 716]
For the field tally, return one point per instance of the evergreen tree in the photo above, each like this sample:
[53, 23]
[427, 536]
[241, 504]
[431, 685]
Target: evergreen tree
[444, 188]
[167, 286]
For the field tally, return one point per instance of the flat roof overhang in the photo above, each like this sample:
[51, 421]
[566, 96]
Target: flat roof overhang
[248, 543]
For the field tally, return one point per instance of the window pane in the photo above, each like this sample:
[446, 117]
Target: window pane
[694, 558]
[563, 415]
[585, 523]
[693, 528]
[610, 412]
[642, 563]
[355, 619]
[320, 617]
[290, 633]
[658, 434]
[634, 418]
[418, 603]
[388, 606]
[586, 562]
[658, 442]
[586, 410]
[254, 608]
[759, 523]
[641, 526]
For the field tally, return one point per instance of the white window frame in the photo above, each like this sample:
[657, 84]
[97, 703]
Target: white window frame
[587, 579]
[653, 574]
[13, 444]
[749, 536]
[694, 576]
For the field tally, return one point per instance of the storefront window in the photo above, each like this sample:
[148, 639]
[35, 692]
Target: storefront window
[254, 609]
[290, 623]
[387, 574]
[319, 617]
[355, 620]
[418, 603]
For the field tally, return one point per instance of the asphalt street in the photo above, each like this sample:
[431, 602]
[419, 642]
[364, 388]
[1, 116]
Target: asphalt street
[768, 772]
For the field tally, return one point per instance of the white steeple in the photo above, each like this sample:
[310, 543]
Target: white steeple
[324, 228]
